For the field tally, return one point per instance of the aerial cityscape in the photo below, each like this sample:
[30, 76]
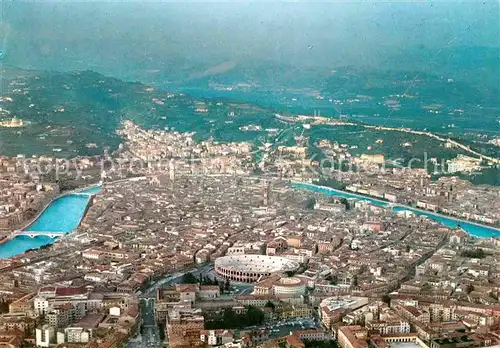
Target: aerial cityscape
[249, 174]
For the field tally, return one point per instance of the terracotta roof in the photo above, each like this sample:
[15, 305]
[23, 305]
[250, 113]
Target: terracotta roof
[70, 291]
[187, 288]
[307, 332]
[65, 305]
[294, 341]
[47, 289]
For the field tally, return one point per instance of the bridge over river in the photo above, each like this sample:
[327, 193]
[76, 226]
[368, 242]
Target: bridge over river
[60, 217]
[34, 234]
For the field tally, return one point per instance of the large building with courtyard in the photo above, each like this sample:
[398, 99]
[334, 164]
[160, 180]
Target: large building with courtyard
[279, 286]
[252, 268]
[331, 309]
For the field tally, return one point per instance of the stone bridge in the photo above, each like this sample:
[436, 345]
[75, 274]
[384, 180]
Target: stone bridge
[34, 234]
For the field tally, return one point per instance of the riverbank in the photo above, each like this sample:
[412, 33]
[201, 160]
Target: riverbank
[63, 214]
[49, 200]
[474, 229]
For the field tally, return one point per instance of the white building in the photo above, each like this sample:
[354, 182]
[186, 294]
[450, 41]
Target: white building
[50, 297]
[217, 337]
[300, 258]
[91, 254]
[44, 336]
[77, 335]
[390, 327]
[115, 311]
[61, 338]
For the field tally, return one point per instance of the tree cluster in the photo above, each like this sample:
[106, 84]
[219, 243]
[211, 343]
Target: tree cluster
[190, 278]
[310, 203]
[232, 320]
[320, 344]
[387, 299]
[4, 307]
[332, 279]
[474, 253]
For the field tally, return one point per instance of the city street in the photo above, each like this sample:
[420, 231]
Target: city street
[150, 336]
[174, 279]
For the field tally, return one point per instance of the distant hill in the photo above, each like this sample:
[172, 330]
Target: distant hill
[77, 113]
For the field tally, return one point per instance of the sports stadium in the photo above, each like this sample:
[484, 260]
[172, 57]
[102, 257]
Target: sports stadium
[250, 268]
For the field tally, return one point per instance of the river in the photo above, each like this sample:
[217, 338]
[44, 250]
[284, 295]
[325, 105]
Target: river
[63, 214]
[474, 229]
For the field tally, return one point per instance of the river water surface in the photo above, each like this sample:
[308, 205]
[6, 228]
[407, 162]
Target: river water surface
[63, 214]
[477, 230]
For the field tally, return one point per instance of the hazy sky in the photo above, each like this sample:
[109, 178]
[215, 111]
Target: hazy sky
[117, 37]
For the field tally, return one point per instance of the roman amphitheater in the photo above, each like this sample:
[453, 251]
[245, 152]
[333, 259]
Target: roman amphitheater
[250, 268]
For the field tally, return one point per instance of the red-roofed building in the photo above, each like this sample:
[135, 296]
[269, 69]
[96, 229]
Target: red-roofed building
[352, 337]
[293, 341]
[459, 237]
[79, 297]
[310, 335]
[70, 292]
